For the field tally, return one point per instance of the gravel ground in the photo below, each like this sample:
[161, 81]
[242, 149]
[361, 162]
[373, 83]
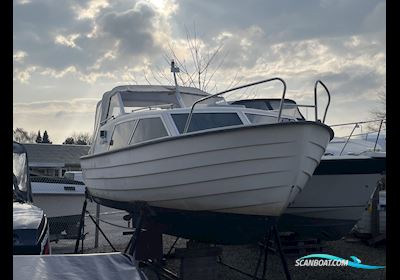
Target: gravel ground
[245, 258]
[242, 257]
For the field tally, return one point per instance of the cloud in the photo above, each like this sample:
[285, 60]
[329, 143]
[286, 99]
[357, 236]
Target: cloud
[19, 56]
[91, 10]
[77, 105]
[59, 117]
[68, 40]
[91, 39]
[133, 29]
[80, 49]
[281, 20]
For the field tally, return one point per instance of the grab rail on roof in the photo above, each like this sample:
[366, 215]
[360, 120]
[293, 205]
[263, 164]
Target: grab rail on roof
[236, 88]
[280, 105]
[315, 100]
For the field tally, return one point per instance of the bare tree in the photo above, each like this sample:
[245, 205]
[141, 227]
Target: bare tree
[22, 136]
[199, 71]
[79, 138]
[379, 112]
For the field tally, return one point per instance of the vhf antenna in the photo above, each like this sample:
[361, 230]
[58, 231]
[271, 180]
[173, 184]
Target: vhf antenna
[175, 69]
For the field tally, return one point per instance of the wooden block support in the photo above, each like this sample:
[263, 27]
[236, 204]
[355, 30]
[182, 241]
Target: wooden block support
[198, 263]
[149, 245]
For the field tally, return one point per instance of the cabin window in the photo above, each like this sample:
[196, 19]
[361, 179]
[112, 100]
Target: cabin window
[147, 129]
[255, 104]
[255, 118]
[115, 107]
[202, 121]
[121, 135]
[289, 109]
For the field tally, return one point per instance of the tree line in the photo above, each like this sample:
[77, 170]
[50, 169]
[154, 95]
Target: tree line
[77, 138]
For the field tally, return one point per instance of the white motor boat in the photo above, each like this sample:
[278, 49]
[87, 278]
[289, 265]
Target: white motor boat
[202, 163]
[62, 200]
[335, 197]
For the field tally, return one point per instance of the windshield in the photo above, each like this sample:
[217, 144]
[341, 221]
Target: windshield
[289, 106]
[19, 170]
[202, 121]
[21, 182]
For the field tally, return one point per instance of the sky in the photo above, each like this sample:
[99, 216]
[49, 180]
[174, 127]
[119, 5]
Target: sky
[66, 54]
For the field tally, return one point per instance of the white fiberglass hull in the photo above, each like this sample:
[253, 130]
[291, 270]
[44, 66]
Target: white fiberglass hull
[253, 170]
[335, 198]
[341, 197]
[56, 201]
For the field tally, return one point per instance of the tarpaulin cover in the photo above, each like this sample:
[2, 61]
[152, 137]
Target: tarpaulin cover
[76, 267]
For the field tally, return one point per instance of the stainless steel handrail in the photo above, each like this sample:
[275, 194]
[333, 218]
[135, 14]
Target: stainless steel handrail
[356, 124]
[236, 88]
[315, 100]
[348, 139]
[343, 124]
[362, 134]
[379, 132]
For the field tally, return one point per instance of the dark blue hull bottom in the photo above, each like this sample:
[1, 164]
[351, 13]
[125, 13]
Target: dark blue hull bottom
[233, 229]
[203, 226]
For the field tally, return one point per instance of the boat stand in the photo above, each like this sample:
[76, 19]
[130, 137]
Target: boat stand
[274, 231]
[141, 218]
[141, 210]
[264, 248]
[81, 234]
[145, 245]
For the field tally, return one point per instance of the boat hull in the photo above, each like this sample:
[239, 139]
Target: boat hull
[335, 198]
[251, 170]
[62, 202]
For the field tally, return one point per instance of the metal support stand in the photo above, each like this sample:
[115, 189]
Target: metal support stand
[266, 244]
[272, 230]
[81, 226]
[135, 235]
[281, 254]
[170, 249]
[101, 231]
[81, 233]
[140, 212]
[96, 233]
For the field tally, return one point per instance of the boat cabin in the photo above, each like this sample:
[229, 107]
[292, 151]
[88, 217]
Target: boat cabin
[128, 115]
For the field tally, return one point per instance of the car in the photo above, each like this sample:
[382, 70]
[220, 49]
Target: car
[30, 225]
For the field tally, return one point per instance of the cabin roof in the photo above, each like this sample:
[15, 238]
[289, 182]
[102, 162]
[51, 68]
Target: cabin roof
[54, 155]
[149, 95]
[156, 89]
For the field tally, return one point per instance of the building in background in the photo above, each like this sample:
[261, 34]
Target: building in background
[53, 159]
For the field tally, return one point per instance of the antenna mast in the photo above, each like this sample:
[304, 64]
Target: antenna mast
[175, 69]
